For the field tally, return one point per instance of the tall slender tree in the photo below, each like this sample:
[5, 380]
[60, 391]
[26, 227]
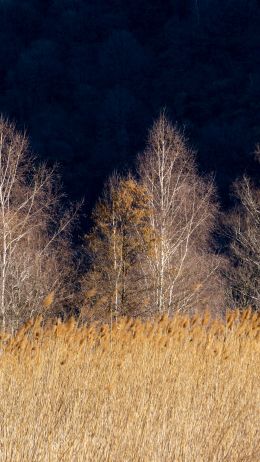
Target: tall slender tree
[183, 267]
[116, 283]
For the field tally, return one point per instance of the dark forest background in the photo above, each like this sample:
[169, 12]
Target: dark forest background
[86, 79]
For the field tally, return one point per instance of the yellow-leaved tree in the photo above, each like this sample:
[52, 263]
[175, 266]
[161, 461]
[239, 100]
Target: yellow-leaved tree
[117, 246]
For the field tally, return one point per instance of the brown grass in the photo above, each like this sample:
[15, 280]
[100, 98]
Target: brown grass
[170, 390]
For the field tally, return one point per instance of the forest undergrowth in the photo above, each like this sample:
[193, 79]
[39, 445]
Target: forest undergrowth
[180, 389]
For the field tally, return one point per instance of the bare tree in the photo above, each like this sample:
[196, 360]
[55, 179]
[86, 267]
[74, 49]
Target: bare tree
[35, 253]
[244, 232]
[183, 267]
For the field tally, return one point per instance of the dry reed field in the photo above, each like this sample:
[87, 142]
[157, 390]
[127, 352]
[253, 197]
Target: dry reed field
[180, 389]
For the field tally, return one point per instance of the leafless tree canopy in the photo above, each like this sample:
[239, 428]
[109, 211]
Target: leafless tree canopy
[151, 247]
[244, 232]
[184, 268]
[34, 239]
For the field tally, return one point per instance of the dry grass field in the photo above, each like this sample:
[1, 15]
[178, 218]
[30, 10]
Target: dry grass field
[169, 390]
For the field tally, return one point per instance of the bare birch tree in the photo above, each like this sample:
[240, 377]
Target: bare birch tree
[35, 255]
[244, 232]
[183, 267]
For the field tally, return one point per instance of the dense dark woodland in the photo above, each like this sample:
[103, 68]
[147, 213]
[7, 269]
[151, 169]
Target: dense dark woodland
[87, 78]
